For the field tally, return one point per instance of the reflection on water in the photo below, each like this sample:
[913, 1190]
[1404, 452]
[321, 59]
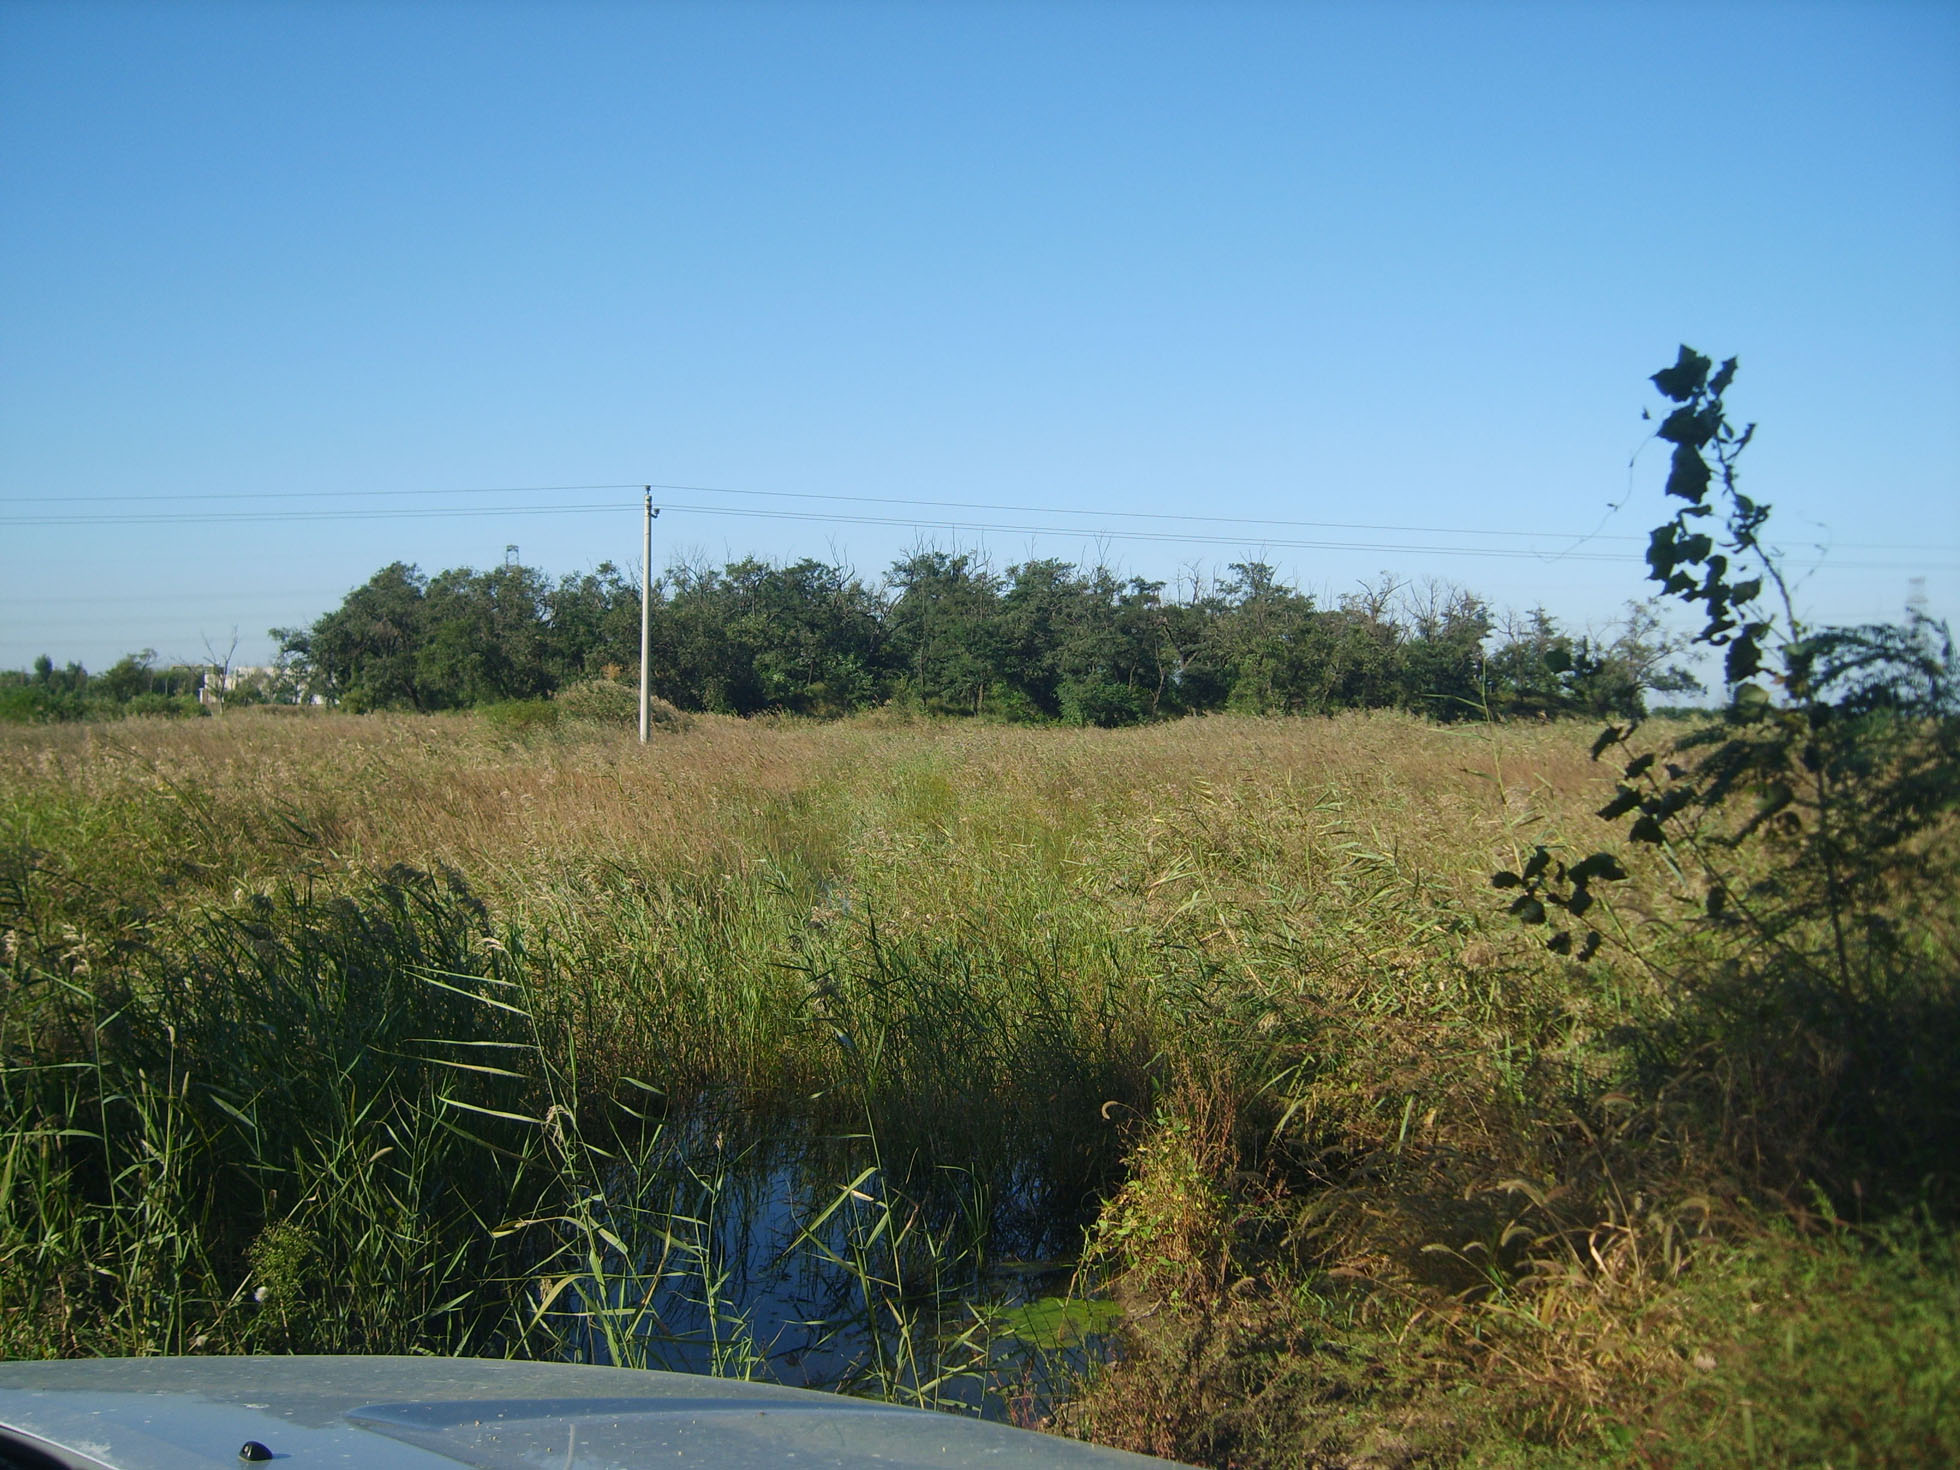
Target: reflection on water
[739, 1247]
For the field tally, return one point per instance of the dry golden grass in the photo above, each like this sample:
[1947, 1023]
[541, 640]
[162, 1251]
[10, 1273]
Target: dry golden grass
[243, 793]
[1259, 960]
[1301, 877]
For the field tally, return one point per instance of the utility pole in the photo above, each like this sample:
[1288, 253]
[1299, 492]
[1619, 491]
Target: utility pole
[646, 616]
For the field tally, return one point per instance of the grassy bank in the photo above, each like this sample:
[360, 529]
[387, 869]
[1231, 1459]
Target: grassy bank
[342, 1033]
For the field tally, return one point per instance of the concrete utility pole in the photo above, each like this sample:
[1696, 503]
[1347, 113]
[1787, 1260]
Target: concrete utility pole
[646, 617]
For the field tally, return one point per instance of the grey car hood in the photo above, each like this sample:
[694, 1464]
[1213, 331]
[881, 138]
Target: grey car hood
[429, 1413]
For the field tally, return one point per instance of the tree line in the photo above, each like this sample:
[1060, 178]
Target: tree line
[134, 685]
[944, 633]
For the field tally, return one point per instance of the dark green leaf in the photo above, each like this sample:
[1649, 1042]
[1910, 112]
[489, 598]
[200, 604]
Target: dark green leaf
[1685, 426]
[1605, 738]
[1686, 378]
[1560, 943]
[1527, 909]
[1745, 658]
[1589, 948]
[1689, 475]
[1661, 555]
[1638, 765]
[1505, 880]
[1646, 829]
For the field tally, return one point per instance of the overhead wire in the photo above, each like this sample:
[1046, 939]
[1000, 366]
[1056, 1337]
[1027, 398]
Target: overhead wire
[834, 517]
[1193, 538]
[991, 507]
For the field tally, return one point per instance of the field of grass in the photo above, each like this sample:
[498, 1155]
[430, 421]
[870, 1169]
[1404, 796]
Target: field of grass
[371, 1034]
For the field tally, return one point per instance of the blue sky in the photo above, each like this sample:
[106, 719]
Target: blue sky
[1399, 270]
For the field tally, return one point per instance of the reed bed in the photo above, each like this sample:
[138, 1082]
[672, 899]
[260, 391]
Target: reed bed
[382, 1034]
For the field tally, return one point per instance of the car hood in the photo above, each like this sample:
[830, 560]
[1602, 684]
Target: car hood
[425, 1413]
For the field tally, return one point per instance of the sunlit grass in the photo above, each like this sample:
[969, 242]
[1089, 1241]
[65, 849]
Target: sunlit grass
[305, 1015]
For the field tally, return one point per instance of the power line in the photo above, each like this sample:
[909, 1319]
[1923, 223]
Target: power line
[1217, 520]
[301, 494]
[1139, 515]
[220, 517]
[956, 527]
[833, 518]
[1191, 538]
[839, 518]
[990, 507]
[272, 594]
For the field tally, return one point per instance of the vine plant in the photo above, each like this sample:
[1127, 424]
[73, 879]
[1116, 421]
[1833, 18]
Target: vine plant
[1836, 757]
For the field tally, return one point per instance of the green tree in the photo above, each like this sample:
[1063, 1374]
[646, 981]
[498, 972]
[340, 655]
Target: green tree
[1442, 652]
[1108, 656]
[1263, 633]
[483, 638]
[592, 625]
[948, 640]
[1362, 666]
[129, 676]
[363, 654]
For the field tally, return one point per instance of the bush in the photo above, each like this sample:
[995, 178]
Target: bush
[168, 706]
[604, 702]
[520, 716]
[34, 706]
[1101, 702]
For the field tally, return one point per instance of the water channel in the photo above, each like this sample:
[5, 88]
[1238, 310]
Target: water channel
[739, 1246]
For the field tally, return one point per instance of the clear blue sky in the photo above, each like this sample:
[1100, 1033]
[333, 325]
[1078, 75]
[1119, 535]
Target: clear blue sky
[1394, 265]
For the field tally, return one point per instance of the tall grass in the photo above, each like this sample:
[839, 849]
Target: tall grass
[442, 1034]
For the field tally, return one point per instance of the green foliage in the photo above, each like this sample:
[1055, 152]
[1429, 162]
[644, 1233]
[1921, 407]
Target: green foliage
[1838, 1346]
[484, 638]
[801, 639]
[947, 635]
[605, 702]
[134, 685]
[945, 631]
[28, 705]
[1540, 669]
[521, 716]
[275, 1094]
[363, 654]
[1045, 642]
[170, 706]
[1093, 701]
[1811, 825]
